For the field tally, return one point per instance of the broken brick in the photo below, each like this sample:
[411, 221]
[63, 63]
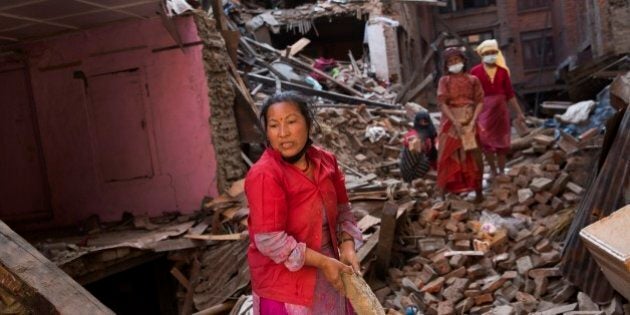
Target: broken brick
[540, 184]
[483, 299]
[434, 286]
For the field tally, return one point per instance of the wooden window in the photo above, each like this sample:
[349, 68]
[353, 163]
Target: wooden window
[459, 5]
[537, 49]
[524, 5]
[475, 39]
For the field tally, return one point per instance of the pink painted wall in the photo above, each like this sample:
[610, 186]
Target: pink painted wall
[123, 127]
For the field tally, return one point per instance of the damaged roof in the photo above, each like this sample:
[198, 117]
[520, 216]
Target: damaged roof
[25, 20]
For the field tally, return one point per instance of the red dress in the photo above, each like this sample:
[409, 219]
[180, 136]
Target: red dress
[494, 119]
[458, 170]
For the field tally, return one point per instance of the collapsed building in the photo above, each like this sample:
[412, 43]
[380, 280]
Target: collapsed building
[136, 129]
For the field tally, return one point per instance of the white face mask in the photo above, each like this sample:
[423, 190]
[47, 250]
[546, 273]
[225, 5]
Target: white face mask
[491, 59]
[456, 68]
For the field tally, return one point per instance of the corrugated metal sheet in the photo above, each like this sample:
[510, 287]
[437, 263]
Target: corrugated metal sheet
[604, 196]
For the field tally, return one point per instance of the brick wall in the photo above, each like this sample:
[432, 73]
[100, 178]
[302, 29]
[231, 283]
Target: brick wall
[619, 12]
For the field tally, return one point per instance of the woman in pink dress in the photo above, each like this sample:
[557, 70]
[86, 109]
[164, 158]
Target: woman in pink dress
[494, 120]
[302, 231]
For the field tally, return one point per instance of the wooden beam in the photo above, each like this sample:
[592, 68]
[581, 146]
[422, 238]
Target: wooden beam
[25, 262]
[369, 245]
[216, 237]
[303, 65]
[300, 63]
[325, 94]
[386, 238]
[421, 86]
[195, 270]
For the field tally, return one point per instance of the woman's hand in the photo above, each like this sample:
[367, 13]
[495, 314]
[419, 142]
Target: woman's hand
[348, 255]
[458, 128]
[469, 128]
[332, 269]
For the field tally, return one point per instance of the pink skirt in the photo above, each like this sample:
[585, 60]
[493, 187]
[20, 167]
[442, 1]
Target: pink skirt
[494, 125]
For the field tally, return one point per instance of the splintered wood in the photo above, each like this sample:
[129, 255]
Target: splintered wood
[361, 296]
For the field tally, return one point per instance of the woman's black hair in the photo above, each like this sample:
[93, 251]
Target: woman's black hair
[290, 97]
[305, 109]
[425, 130]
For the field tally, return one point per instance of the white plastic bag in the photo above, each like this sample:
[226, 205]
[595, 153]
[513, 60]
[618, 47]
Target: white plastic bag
[375, 133]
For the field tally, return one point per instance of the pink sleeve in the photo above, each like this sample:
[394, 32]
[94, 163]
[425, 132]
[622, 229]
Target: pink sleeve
[347, 223]
[281, 248]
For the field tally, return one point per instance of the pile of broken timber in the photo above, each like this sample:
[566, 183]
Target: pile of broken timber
[500, 256]
[274, 70]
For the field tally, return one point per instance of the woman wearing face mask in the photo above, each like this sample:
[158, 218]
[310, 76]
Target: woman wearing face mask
[494, 120]
[302, 231]
[419, 152]
[461, 99]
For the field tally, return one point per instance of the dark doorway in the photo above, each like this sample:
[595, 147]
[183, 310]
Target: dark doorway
[146, 289]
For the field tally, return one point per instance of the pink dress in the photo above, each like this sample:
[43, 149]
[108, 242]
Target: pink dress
[283, 248]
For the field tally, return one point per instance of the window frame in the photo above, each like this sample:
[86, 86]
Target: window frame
[529, 38]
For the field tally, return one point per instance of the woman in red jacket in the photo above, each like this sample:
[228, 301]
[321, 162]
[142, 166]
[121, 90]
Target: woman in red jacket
[302, 232]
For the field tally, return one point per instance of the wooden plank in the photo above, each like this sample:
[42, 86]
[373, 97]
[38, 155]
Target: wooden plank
[403, 93]
[25, 262]
[325, 94]
[369, 245]
[421, 86]
[217, 237]
[386, 238]
[300, 63]
[231, 43]
[355, 66]
[195, 270]
[298, 46]
[306, 66]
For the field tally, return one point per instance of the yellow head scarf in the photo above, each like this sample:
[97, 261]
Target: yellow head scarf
[492, 44]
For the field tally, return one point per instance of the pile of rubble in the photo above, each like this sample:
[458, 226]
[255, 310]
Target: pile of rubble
[500, 256]
[366, 140]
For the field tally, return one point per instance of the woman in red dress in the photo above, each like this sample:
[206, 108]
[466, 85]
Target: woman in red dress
[494, 120]
[461, 99]
[302, 230]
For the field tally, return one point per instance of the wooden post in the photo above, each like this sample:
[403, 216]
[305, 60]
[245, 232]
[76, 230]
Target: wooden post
[386, 238]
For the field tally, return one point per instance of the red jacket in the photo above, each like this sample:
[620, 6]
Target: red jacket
[502, 85]
[282, 198]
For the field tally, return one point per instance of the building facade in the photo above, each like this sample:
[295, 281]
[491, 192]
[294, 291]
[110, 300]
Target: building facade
[532, 35]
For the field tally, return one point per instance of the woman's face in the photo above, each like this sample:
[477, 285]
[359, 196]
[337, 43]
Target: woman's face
[453, 60]
[287, 130]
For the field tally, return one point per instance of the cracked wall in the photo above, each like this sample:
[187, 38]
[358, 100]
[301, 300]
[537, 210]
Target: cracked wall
[225, 137]
[123, 118]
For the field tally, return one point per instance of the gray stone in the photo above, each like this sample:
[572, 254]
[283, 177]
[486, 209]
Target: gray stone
[585, 303]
